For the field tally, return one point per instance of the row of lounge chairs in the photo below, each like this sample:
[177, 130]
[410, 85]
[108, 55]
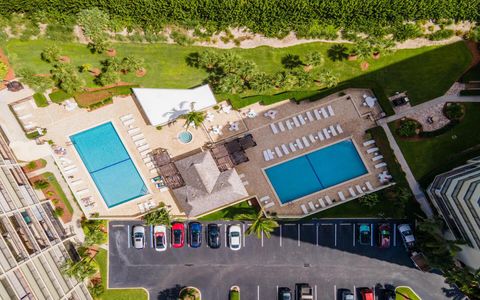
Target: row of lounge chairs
[326, 201]
[144, 207]
[301, 119]
[303, 142]
[377, 157]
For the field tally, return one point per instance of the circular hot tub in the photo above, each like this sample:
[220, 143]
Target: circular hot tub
[185, 137]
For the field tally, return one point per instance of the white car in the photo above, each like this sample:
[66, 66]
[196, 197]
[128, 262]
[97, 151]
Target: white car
[235, 237]
[407, 236]
[160, 237]
[138, 235]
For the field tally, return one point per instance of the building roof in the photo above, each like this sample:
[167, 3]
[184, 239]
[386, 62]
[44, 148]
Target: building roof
[161, 106]
[206, 188]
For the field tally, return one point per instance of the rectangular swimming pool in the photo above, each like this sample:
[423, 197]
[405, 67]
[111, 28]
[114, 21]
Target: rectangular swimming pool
[315, 171]
[109, 164]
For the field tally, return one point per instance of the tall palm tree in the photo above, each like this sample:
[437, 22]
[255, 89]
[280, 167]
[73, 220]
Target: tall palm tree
[261, 224]
[78, 270]
[160, 216]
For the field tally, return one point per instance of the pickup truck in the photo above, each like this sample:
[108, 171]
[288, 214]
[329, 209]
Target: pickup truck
[304, 291]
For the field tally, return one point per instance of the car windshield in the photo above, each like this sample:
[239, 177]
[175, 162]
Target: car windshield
[235, 234]
[213, 233]
[138, 235]
[385, 233]
[195, 236]
[177, 235]
[159, 241]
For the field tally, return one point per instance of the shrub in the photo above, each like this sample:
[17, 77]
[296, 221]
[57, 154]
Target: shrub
[159, 127]
[31, 165]
[51, 54]
[3, 70]
[181, 38]
[453, 111]
[38, 83]
[59, 32]
[32, 135]
[407, 31]
[441, 34]
[40, 100]
[41, 184]
[58, 212]
[67, 78]
[407, 128]
[369, 200]
[108, 77]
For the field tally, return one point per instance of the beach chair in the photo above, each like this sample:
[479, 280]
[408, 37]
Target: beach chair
[305, 141]
[266, 157]
[133, 131]
[292, 147]
[339, 129]
[143, 147]
[128, 122]
[76, 182]
[371, 150]
[317, 114]
[147, 159]
[324, 112]
[82, 192]
[341, 196]
[301, 118]
[274, 128]
[289, 124]
[304, 209]
[126, 117]
[312, 138]
[368, 143]
[280, 125]
[330, 110]
[380, 165]
[325, 132]
[359, 189]
[137, 137]
[312, 207]
[295, 121]
[145, 152]
[71, 171]
[352, 192]
[322, 204]
[269, 204]
[310, 117]
[369, 186]
[378, 157]
[285, 149]
[279, 153]
[270, 154]
[140, 142]
[69, 167]
[150, 165]
[332, 129]
[141, 207]
[320, 136]
[27, 116]
[299, 144]
[153, 171]
[264, 199]
[329, 201]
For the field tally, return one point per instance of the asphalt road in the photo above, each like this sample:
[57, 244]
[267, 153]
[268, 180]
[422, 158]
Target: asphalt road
[324, 254]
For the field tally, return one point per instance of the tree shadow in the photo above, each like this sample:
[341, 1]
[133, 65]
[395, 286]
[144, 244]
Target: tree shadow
[453, 293]
[291, 61]
[192, 59]
[337, 52]
[170, 293]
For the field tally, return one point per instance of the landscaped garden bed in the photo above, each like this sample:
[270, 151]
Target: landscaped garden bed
[34, 165]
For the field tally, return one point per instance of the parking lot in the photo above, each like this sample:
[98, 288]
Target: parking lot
[325, 254]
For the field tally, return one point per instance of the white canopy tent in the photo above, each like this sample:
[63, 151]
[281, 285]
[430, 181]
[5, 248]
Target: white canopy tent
[161, 106]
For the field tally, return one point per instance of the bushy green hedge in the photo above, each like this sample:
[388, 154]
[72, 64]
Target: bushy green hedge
[272, 17]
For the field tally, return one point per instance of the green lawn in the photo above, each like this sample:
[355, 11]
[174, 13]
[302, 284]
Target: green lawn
[40, 100]
[53, 181]
[424, 72]
[429, 156]
[405, 292]
[232, 212]
[116, 294]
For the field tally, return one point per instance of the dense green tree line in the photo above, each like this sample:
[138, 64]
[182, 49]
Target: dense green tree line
[272, 17]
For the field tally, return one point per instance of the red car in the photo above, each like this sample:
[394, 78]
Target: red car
[178, 235]
[367, 294]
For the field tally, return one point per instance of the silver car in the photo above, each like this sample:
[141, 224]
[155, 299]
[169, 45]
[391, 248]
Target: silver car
[138, 235]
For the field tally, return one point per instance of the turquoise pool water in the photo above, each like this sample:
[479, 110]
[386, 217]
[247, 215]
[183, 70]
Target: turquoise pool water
[316, 171]
[109, 164]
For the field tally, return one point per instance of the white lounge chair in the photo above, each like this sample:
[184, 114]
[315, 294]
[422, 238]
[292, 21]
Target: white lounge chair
[304, 209]
[143, 147]
[330, 110]
[352, 192]
[339, 129]
[147, 159]
[126, 117]
[140, 142]
[359, 189]
[76, 182]
[325, 132]
[82, 192]
[145, 152]
[380, 165]
[66, 160]
[299, 144]
[378, 157]
[289, 124]
[312, 207]
[317, 114]
[369, 186]
[285, 149]
[368, 143]
[274, 128]
[266, 157]
[322, 204]
[279, 153]
[329, 201]
[312, 138]
[341, 196]
[371, 150]
[310, 117]
[25, 116]
[153, 171]
[295, 121]
[301, 118]
[320, 136]
[269, 204]
[332, 129]
[150, 165]
[133, 131]
[71, 171]
[138, 136]
[270, 154]
[292, 147]
[141, 207]
[128, 122]
[264, 199]
[324, 112]
[69, 167]
[280, 125]
[305, 141]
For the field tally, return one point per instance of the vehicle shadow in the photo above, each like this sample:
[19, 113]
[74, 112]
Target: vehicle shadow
[170, 293]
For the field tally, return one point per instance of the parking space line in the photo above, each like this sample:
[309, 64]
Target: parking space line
[225, 234]
[334, 292]
[326, 224]
[371, 235]
[345, 223]
[129, 237]
[258, 292]
[281, 235]
[315, 292]
[117, 225]
[316, 233]
[298, 230]
[353, 227]
[308, 224]
[355, 290]
[395, 235]
[335, 235]
[262, 238]
[151, 236]
[243, 225]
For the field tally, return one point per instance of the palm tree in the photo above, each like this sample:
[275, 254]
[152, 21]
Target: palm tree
[78, 270]
[261, 224]
[314, 59]
[261, 82]
[160, 216]
[193, 117]
[51, 54]
[291, 61]
[96, 289]
[95, 237]
[328, 79]
[337, 52]
[133, 63]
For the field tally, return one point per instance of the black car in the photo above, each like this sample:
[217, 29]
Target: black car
[284, 293]
[195, 234]
[213, 236]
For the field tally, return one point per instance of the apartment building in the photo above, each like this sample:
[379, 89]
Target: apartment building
[456, 195]
[33, 242]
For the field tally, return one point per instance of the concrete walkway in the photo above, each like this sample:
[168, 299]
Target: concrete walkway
[412, 182]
